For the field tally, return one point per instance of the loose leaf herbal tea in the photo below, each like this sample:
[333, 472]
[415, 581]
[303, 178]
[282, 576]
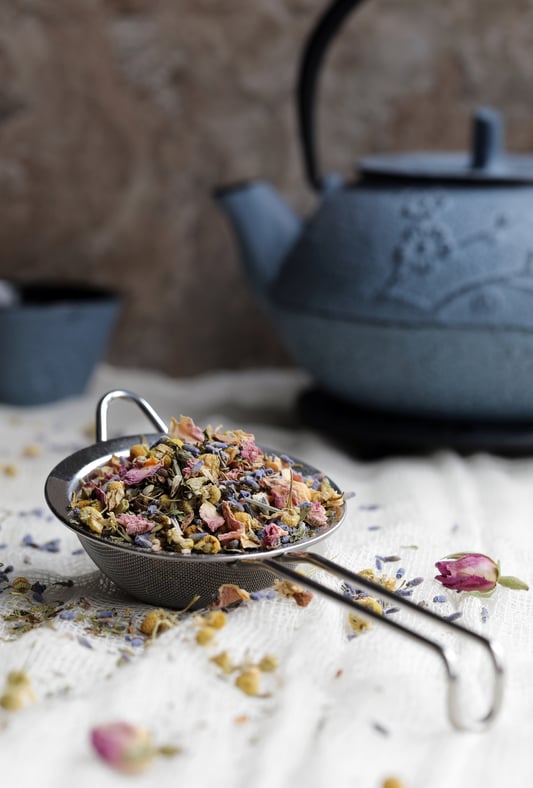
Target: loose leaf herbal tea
[204, 491]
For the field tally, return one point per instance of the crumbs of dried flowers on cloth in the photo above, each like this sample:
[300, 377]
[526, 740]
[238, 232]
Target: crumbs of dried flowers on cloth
[396, 584]
[18, 692]
[204, 491]
[28, 611]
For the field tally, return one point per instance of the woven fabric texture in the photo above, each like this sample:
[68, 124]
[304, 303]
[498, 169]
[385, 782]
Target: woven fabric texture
[342, 709]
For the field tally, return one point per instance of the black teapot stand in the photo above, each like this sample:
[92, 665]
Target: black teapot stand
[371, 434]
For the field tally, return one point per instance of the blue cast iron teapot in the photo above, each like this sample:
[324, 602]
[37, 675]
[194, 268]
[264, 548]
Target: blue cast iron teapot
[410, 290]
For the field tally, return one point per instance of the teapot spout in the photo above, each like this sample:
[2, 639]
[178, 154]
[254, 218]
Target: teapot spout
[266, 228]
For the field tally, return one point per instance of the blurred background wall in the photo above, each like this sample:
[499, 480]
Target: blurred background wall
[119, 117]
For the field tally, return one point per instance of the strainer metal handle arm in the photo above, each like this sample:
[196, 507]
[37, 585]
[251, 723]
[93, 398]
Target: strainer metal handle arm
[107, 399]
[278, 566]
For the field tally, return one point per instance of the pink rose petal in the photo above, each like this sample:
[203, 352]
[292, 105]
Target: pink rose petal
[211, 517]
[136, 475]
[186, 430]
[135, 523]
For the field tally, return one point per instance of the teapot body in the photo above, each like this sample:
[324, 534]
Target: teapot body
[416, 299]
[412, 290]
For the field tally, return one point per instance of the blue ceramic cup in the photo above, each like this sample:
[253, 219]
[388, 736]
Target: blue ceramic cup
[51, 338]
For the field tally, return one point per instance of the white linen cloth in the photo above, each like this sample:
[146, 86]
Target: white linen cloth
[340, 711]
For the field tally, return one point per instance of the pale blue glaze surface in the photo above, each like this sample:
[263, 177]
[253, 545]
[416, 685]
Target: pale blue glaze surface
[412, 299]
[48, 350]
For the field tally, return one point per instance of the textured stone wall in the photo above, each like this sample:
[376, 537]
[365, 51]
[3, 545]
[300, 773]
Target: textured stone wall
[118, 117]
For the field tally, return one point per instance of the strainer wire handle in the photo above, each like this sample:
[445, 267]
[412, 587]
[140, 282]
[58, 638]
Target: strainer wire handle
[107, 399]
[448, 656]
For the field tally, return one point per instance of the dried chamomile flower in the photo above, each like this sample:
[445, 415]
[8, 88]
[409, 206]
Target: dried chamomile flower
[21, 584]
[10, 470]
[93, 518]
[291, 517]
[216, 619]
[156, 622]
[387, 582]
[224, 662]
[290, 589]
[18, 691]
[208, 544]
[359, 624]
[205, 635]
[381, 580]
[32, 450]
[139, 450]
[371, 604]
[268, 664]
[392, 782]
[249, 681]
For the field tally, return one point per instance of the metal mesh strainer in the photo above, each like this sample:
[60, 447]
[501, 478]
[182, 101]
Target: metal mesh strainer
[173, 580]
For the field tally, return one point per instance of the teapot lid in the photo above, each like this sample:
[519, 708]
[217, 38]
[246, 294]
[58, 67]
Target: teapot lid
[486, 163]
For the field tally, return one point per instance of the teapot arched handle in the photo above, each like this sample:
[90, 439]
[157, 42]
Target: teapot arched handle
[314, 52]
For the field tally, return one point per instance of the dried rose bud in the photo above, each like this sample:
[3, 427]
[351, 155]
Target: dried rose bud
[125, 747]
[474, 572]
[468, 572]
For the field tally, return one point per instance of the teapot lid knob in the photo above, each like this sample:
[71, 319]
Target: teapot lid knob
[487, 139]
[485, 164]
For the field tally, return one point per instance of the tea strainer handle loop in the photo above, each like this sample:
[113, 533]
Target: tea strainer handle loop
[314, 52]
[448, 657]
[107, 399]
